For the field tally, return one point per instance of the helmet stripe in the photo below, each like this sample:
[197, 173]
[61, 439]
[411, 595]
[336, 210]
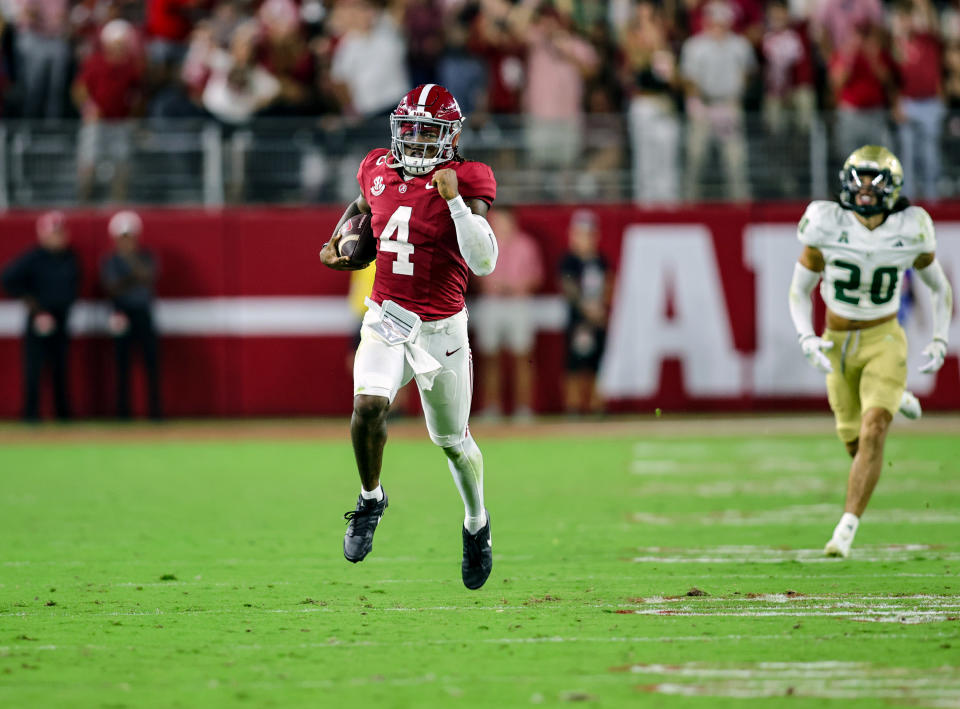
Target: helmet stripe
[422, 101]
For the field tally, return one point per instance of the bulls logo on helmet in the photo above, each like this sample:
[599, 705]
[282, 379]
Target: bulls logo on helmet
[424, 129]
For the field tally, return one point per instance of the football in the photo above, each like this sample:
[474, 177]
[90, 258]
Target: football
[357, 241]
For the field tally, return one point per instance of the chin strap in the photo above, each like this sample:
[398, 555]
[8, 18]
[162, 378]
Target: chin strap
[478, 243]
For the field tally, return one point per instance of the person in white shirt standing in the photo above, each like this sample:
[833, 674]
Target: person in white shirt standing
[859, 248]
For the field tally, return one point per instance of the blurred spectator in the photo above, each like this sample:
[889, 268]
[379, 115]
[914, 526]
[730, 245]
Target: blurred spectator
[43, 55]
[920, 114]
[128, 274]
[747, 17]
[237, 87]
[863, 78]
[423, 27]
[47, 280]
[285, 54]
[494, 39]
[586, 286]
[461, 71]
[369, 61]
[715, 65]
[651, 73]
[789, 100]
[836, 23]
[558, 64]
[503, 316]
[168, 26]
[108, 93]
[951, 81]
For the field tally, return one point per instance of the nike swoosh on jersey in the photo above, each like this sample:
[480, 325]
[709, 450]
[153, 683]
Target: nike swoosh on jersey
[454, 351]
[430, 185]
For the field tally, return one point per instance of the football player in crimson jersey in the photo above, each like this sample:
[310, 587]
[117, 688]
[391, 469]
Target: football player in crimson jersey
[860, 246]
[428, 209]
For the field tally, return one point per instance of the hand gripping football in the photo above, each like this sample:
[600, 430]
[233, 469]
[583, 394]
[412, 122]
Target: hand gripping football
[357, 241]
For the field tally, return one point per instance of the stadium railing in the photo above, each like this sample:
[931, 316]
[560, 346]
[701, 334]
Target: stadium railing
[314, 161]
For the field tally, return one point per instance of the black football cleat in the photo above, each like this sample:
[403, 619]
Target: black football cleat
[363, 521]
[477, 556]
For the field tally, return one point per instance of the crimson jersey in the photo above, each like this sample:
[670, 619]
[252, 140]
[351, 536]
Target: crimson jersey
[419, 265]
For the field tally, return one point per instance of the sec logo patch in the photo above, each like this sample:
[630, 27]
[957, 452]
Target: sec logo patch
[403, 188]
[378, 186]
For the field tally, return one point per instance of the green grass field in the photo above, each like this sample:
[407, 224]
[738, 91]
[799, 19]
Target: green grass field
[209, 573]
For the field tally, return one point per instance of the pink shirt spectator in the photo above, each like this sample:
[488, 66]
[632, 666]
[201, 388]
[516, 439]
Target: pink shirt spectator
[784, 54]
[45, 17]
[519, 267]
[839, 19]
[555, 83]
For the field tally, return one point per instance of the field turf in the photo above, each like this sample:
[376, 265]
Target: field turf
[631, 570]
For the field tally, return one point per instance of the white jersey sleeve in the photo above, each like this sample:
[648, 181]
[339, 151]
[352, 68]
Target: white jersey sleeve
[864, 267]
[818, 222]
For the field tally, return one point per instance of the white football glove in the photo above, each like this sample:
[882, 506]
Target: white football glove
[935, 351]
[813, 349]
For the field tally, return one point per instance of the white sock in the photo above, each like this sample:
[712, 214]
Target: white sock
[466, 465]
[849, 523]
[375, 494]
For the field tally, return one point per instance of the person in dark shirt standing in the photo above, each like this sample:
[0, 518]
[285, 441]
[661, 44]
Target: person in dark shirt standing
[586, 286]
[127, 275]
[47, 279]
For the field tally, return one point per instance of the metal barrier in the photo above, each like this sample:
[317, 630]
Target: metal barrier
[636, 157]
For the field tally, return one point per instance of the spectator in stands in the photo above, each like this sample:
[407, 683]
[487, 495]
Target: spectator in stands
[584, 277]
[864, 82]
[837, 23]
[47, 280]
[43, 55]
[285, 54]
[494, 38]
[128, 274]
[715, 66]
[503, 316]
[918, 52]
[238, 87]
[558, 64]
[459, 69]
[789, 99]
[108, 93]
[423, 26]
[747, 18]
[168, 26]
[651, 71]
[369, 61]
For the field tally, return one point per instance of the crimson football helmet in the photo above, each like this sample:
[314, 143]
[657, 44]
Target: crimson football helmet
[424, 129]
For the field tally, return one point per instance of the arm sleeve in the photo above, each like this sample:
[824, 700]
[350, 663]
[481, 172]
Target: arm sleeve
[801, 309]
[478, 244]
[942, 297]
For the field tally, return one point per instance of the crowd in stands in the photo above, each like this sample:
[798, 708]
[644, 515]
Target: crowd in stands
[877, 68]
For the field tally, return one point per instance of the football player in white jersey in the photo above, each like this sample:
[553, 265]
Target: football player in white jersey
[858, 248]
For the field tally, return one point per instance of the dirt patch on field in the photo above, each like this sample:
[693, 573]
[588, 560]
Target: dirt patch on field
[413, 428]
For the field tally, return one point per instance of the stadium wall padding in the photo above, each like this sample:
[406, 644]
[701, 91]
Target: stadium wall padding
[254, 325]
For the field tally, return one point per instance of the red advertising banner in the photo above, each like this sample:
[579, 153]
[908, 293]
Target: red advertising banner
[253, 325]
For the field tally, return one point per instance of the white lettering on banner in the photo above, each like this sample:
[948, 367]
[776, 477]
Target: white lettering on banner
[779, 367]
[657, 260]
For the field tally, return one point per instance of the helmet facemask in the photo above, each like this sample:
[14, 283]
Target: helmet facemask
[420, 143]
[879, 182]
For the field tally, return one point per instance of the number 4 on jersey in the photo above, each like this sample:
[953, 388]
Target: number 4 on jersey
[400, 224]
